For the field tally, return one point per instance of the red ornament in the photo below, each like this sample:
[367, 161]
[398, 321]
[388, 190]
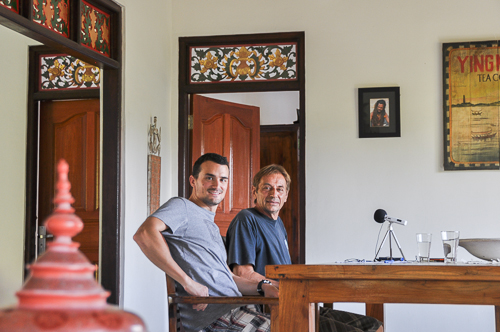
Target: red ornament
[61, 293]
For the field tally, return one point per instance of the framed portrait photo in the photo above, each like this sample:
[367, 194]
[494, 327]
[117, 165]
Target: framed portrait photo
[379, 114]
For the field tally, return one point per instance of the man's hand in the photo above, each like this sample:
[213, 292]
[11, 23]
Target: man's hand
[270, 290]
[197, 289]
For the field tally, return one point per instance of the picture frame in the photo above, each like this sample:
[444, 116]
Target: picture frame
[387, 122]
[471, 100]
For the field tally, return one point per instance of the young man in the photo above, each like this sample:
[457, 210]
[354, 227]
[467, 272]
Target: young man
[182, 239]
[257, 237]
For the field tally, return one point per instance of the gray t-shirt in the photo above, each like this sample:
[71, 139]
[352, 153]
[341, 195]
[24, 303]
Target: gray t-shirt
[197, 247]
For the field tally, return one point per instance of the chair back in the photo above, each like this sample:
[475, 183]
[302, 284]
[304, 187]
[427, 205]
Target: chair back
[174, 319]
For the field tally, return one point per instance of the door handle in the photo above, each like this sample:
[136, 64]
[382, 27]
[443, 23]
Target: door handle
[42, 239]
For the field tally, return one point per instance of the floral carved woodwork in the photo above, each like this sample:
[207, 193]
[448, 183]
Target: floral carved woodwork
[243, 63]
[10, 4]
[95, 28]
[52, 14]
[60, 72]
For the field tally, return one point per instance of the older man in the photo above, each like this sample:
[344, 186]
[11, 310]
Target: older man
[182, 239]
[257, 237]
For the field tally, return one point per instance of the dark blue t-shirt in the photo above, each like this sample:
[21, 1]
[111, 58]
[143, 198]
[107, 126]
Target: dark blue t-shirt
[253, 238]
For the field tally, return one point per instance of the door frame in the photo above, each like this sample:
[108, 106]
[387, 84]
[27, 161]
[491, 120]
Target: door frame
[111, 88]
[186, 89]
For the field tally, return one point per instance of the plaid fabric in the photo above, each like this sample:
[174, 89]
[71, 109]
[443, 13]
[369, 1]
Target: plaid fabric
[249, 319]
[243, 319]
[341, 321]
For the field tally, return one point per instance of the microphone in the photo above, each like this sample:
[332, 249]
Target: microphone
[381, 216]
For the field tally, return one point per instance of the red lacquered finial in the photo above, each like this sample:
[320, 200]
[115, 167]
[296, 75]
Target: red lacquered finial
[63, 199]
[61, 293]
[63, 223]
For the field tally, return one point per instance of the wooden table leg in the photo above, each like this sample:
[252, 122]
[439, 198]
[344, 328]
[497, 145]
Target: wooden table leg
[293, 305]
[313, 315]
[376, 310]
[497, 318]
[275, 323]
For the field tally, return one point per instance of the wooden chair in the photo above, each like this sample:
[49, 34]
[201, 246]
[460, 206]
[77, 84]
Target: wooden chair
[175, 324]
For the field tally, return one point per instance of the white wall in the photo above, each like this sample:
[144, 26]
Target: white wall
[13, 94]
[148, 84]
[275, 107]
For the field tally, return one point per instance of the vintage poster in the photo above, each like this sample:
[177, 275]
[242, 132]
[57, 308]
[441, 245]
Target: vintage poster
[471, 90]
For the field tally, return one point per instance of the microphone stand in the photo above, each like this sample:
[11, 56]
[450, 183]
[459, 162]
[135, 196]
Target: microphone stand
[390, 232]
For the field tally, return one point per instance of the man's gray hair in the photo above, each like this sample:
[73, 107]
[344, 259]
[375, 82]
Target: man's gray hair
[271, 169]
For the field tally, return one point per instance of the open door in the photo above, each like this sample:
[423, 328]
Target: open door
[233, 131]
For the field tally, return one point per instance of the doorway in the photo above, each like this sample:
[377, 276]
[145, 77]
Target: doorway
[21, 23]
[65, 101]
[293, 81]
[279, 137]
[280, 145]
[109, 210]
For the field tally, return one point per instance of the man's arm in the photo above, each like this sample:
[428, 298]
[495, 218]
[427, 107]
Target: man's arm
[241, 238]
[247, 272]
[153, 245]
[249, 287]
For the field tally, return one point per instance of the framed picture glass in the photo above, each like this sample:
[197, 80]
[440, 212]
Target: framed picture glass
[379, 114]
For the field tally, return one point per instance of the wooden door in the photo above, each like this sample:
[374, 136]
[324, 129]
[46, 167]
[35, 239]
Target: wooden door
[231, 130]
[279, 145]
[70, 130]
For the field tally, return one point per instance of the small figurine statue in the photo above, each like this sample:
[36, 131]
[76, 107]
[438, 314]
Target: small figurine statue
[154, 138]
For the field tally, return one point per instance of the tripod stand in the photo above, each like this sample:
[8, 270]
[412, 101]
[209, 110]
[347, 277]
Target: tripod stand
[390, 233]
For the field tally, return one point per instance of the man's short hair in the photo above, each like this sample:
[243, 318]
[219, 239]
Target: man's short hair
[214, 157]
[268, 170]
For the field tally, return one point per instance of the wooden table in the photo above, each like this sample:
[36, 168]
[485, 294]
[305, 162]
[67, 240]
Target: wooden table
[379, 283]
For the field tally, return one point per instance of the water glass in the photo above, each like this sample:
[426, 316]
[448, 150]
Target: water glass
[424, 246]
[450, 245]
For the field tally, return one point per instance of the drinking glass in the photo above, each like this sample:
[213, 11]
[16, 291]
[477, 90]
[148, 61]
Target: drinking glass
[450, 245]
[424, 246]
